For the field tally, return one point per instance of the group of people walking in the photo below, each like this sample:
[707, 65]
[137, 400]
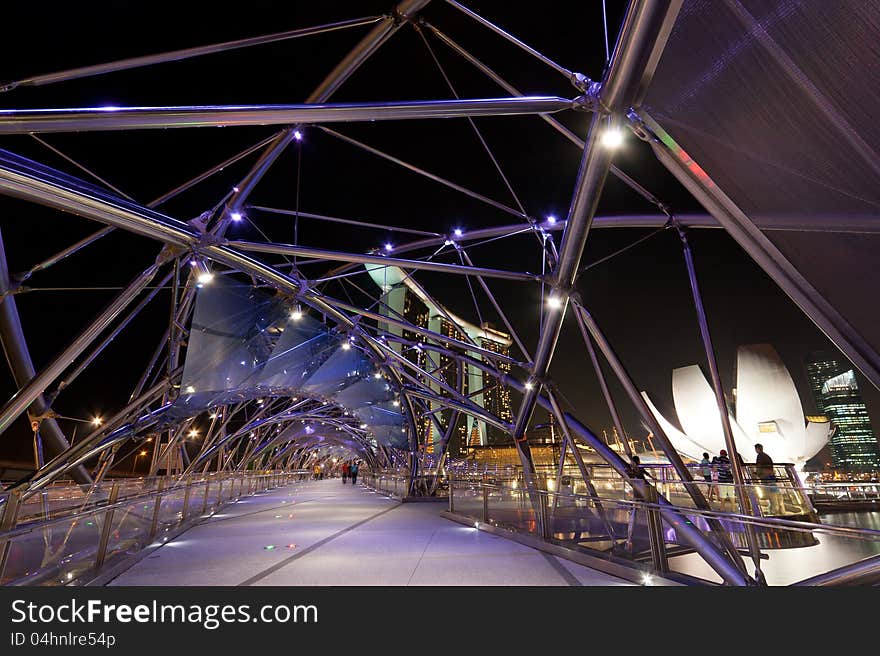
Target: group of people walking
[350, 470]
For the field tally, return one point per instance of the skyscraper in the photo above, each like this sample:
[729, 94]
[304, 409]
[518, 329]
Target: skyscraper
[496, 397]
[402, 299]
[853, 444]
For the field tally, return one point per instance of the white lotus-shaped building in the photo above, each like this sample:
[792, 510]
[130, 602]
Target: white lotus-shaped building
[768, 411]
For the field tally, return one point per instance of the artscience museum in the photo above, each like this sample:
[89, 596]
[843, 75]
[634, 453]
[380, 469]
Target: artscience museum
[767, 409]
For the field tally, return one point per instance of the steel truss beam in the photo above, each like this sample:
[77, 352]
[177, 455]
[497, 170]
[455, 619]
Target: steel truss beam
[748, 235]
[180, 55]
[420, 265]
[19, 358]
[642, 28]
[98, 119]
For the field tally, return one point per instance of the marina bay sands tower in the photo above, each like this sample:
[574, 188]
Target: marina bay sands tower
[404, 299]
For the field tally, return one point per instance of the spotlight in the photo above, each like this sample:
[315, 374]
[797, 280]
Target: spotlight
[554, 302]
[236, 216]
[458, 232]
[203, 274]
[346, 346]
[297, 135]
[612, 138]
[389, 247]
[296, 314]
[551, 220]
[530, 385]
[97, 421]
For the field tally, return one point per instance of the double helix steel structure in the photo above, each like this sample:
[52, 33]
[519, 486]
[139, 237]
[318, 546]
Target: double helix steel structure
[289, 352]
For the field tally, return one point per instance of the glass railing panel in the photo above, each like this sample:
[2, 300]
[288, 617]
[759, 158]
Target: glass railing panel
[53, 555]
[197, 499]
[468, 501]
[170, 510]
[576, 521]
[130, 529]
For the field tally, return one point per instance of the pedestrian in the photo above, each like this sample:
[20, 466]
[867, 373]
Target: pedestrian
[353, 472]
[725, 480]
[639, 483]
[706, 471]
[713, 475]
[765, 472]
[635, 469]
[346, 468]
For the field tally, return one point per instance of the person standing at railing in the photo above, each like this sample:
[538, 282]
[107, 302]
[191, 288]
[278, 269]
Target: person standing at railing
[766, 474]
[639, 479]
[707, 471]
[725, 480]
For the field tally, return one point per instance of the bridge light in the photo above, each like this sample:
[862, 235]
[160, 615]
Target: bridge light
[612, 138]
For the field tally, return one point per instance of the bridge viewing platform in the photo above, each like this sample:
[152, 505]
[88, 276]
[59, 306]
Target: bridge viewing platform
[326, 533]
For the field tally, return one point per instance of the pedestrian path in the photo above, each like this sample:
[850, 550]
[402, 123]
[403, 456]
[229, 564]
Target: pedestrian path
[326, 533]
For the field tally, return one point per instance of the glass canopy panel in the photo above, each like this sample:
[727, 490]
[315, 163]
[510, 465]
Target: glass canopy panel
[769, 100]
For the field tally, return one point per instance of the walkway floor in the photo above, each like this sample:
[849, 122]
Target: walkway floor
[327, 533]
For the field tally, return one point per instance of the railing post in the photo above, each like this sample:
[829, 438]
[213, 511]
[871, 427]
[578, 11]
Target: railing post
[655, 532]
[485, 500]
[186, 494]
[451, 486]
[543, 517]
[105, 529]
[220, 493]
[205, 500]
[7, 523]
[154, 526]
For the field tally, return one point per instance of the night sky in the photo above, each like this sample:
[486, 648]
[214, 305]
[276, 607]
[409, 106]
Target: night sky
[641, 299]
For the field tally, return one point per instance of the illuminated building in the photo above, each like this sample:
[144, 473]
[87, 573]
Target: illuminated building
[853, 444]
[768, 411]
[403, 299]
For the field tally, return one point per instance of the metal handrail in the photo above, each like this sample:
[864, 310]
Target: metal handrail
[12, 529]
[767, 522]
